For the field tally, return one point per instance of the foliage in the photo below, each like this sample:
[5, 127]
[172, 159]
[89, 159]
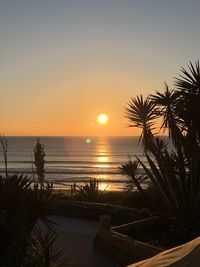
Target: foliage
[135, 178]
[43, 251]
[173, 169]
[39, 161]
[141, 113]
[90, 191]
[153, 202]
[4, 146]
[22, 206]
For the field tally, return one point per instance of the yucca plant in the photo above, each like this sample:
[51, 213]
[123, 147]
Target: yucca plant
[173, 166]
[39, 161]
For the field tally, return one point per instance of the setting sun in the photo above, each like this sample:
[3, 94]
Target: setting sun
[102, 118]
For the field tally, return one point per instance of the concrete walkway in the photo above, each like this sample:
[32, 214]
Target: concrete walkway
[76, 236]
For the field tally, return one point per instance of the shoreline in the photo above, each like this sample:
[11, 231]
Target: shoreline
[67, 183]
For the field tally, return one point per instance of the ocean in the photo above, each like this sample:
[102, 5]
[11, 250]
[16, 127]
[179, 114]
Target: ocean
[74, 159]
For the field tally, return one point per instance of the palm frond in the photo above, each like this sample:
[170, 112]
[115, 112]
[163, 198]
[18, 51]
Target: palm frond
[142, 113]
[135, 178]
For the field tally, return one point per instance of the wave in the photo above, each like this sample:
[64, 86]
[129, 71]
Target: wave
[58, 171]
[70, 161]
[86, 179]
[82, 171]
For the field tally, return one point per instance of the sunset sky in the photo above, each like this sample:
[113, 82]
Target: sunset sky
[63, 62]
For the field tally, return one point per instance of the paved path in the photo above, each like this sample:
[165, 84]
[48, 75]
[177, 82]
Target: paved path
[76, 237]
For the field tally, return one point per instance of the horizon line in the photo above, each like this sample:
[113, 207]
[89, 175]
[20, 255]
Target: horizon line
[86, 136]
[71, 135]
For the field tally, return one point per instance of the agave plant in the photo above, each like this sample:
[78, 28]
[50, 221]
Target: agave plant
[174, 170]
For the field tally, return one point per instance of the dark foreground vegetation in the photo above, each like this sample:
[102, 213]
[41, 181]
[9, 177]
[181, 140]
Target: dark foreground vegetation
[174, 162]
[173, 169]
[27, 235]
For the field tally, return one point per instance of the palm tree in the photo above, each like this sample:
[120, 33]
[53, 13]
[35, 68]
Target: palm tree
[176, 171]
[142, 113]
[188, 86]
[166, 108]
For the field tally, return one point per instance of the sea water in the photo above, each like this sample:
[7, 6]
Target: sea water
[74, 159]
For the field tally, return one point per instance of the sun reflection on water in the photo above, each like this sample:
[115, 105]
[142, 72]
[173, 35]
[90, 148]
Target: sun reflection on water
[103, 152]
[102, 166]
[103, 186]
[103, 158]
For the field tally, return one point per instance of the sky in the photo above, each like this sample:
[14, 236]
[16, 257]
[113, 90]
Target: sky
[64, 62]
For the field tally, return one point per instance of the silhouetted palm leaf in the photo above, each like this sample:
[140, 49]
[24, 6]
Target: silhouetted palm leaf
[174, 171]
[166, 103]
[188, 106]
[189, 80]
[142, 113]
[135, 178]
